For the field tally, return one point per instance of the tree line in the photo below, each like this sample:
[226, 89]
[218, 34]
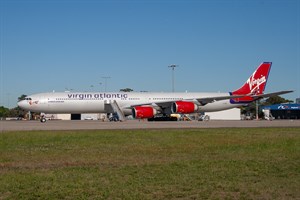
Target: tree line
[13, 112]
[251, 108]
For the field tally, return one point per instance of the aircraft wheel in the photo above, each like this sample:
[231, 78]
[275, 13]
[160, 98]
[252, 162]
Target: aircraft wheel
[43, 120]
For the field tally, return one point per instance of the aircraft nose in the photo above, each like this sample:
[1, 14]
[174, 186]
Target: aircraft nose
[23, 104]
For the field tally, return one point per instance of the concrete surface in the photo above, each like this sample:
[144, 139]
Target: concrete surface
[135, 124]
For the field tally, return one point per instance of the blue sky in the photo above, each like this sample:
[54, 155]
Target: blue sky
[54, 45]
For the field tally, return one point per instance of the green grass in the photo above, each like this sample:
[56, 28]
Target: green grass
[248, 163]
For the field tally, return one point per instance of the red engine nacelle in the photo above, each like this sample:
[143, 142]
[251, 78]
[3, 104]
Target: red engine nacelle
[184, 107]
[141, 112]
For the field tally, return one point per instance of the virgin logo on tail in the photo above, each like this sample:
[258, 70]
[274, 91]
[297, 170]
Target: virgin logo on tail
[255, 84]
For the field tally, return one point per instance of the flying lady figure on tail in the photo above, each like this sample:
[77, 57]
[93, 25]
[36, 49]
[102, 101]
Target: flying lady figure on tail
[255, 86]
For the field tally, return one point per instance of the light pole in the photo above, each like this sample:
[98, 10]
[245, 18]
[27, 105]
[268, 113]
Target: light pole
[100, 86]
[8, 98]
[173, 69]
[257, 101]
[105, 82]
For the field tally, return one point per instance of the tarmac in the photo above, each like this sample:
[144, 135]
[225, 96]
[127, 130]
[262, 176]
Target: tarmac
[142, 124]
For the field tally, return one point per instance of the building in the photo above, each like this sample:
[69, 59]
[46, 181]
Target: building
[231, 114]
[284, 111]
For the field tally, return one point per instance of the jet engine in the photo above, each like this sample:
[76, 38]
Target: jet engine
[184, 107]
[141, 112]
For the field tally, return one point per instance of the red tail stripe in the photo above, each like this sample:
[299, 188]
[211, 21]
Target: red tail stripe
[256, 83]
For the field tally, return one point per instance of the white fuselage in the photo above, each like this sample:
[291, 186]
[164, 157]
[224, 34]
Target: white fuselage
[67, 102]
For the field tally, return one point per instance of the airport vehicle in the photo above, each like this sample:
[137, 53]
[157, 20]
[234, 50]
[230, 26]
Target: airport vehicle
[149, 104]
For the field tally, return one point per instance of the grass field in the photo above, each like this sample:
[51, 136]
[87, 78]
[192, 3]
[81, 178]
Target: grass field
[233, 163]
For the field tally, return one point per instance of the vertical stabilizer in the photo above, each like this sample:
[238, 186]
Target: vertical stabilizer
[255, 85]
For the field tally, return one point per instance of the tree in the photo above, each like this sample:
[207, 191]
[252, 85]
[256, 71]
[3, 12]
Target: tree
[3, 111]
[276, 100]
[22, 97]
[126, 90]
[13, 112]
[250, 109]
[17, 111]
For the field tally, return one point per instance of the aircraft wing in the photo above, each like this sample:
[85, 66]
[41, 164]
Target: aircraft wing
[199, 101]
[272, 94]
[207, 100]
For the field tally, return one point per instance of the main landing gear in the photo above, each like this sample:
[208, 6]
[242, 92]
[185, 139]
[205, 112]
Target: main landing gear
[43, 119]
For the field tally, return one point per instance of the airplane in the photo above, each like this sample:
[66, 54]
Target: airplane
[151, 104]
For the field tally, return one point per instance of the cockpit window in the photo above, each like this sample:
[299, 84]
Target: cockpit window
[28, 98]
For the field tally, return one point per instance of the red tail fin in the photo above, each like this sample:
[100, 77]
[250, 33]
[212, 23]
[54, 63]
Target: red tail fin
[255, 84]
